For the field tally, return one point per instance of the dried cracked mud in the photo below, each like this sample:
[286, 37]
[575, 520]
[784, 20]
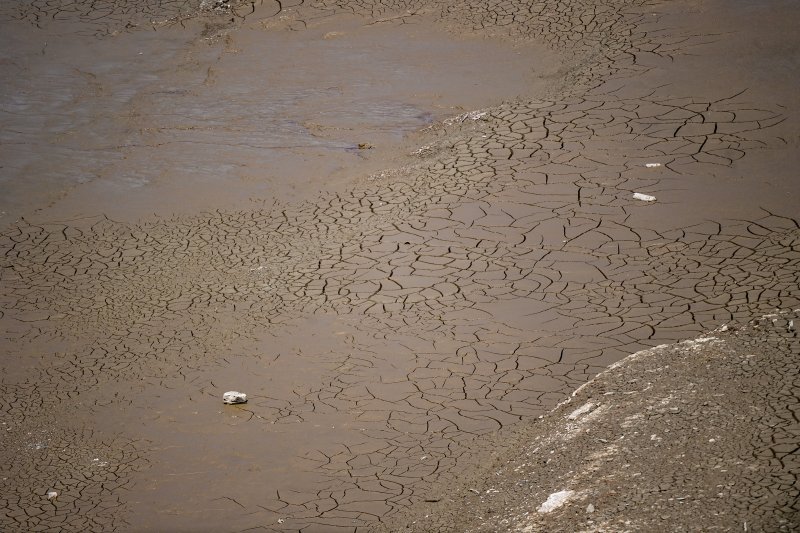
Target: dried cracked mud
[466, 278]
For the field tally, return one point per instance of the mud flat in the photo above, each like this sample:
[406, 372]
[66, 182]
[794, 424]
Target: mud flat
[392, 272]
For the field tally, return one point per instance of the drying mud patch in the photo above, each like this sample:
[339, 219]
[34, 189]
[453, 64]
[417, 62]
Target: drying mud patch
[380, 329]
[113, 17]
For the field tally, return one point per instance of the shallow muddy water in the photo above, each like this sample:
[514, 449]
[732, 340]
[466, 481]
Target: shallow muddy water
[176, 121]
[479, 257]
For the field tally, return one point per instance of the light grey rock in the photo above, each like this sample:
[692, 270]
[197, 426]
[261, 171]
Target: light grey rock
[232, 397]
[555, 500]
[643, 197]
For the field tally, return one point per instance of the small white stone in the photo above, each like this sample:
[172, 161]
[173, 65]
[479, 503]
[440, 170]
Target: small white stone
[555, 500]
[52, 494]
[581, 411]
[231, 397]
[643, 197]
[652, 165]
[590, 508]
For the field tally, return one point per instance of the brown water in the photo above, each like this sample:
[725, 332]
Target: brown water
[180, 121]
[382, 307]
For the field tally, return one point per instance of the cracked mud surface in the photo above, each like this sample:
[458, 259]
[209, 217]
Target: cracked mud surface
[381, 329]
[699, 435]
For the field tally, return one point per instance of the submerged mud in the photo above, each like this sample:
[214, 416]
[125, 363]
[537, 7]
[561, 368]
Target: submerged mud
[177, 121]
[378, 328]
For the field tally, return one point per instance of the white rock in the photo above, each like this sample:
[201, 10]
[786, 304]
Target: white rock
[234, 397]
[652, 165]
[582, 410]
[643, 197]
[555, 500]
[52, 494]
[590, 508]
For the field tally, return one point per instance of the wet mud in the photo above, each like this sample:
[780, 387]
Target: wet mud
[464, 275]
[181, 120]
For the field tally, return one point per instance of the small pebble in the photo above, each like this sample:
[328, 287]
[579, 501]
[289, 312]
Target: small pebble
[232, 397]
[52, 495]
[643, 197]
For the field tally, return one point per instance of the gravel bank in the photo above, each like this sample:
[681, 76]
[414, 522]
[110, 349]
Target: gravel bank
[698, 435]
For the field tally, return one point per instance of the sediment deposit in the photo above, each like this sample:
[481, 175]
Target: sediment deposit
[380, 324]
